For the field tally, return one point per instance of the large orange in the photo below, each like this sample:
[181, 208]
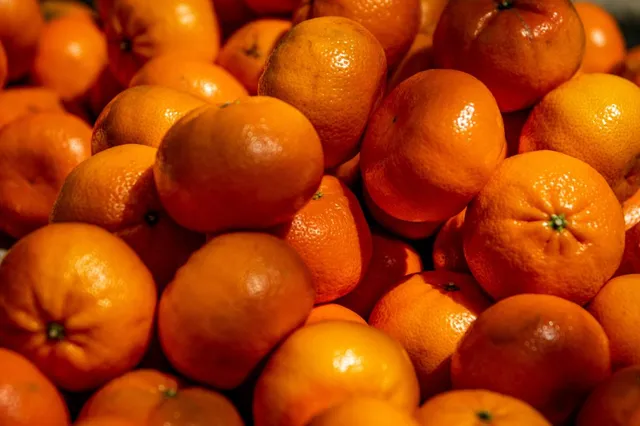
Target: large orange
[545, 223]
[394, 23]
[478, 407]
[615, 402]
[116, 191]
[249, 164]
[138, 30]
[322, 365]
[20, 26]
[246, 51]
[448, 248]
[4, 67]
[28, 397]
[616, 309]
[231, 304]
[331, 234]
[605, 45]
[20, 101]
[544, 350]
[37, 152]
[149, 397]
[429, 314]
[77, 302]
[332, 312]
[521, 49]
[593, 118]
[141, 115]
[270, 7]
[334, 71]
[363, 411]
[201, 79]
[432, 145]
[71, 55]
[391, 261]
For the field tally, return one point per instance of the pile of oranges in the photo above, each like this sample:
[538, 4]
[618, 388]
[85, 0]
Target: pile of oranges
[318, 213]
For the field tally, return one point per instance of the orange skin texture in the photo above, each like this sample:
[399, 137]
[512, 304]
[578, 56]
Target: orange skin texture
[428, 314]
[605, 48]
[419, 58]
[333, 312]
[28, 397]
[105, 88]
[348, 172]
[251, 164]
[433, 120]
[448, 248]
[430, 12]
[141, 115]
[631, 66]
[4, 70]
[615, 402]
[20, 101]
[363, 411]
[616, 309]
[392, 260]
[395, 23]
[201, 79]
[401, 228]
[65, 291]
[545, 223]
[271, 7]
[472, 407]
[71, 55]
[231, 304]
[20, 26]
[37, 152]
[138, 30]
[325, 364]
[115, 190]
[541, 349]
[593, 118]
[149, 397]
[513, 51]
[333, 238]
[513, 124]
[334, 71]
[54, 9]
[246, 51]
[105, 421]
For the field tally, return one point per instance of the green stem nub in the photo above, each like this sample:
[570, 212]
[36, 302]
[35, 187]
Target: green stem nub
[170, 393]
[484, 416]
[55, 331]
[317, 196]
[505, 4]
[558, 222]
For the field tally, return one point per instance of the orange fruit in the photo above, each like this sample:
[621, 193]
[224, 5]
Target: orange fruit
[392, 260]
[419, 58]
[616, 309]
[448, 248]
[37, 152]
[631, 66]
[4, 70]
[271, 7]
[545, 223]
[348, 172]
[251, 164]
[363, 411]
[592, 118]
[394, 23]
[231, 304]
[430, 12]
[154, 398]
[105, 421]
[513, 124]
[333, 70]
[138, 30]
[246, 51]
[141, 115]
[325, 364]
[408, 153]
[428, 314]
[77, 302]
[115, 190]
[605, 48]
[70, 57]
[105, 88]
[54, 9]
[615, 402]
[28, 397]
[332, 236]
[521, 49]
[20, 101]
[542, 349]
[20, 26]
[401, 228]
[475, 407]
[201, 79]
[333, 312]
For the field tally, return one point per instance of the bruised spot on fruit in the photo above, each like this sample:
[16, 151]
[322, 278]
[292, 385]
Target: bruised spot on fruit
[484, 416]
[558, 222]
[317, 196]
[253, 51]
[505, 4]
[55, 331]
[151, 218]
[451, 287]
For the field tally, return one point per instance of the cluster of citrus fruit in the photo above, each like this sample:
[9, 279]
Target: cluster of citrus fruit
[318, 213]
